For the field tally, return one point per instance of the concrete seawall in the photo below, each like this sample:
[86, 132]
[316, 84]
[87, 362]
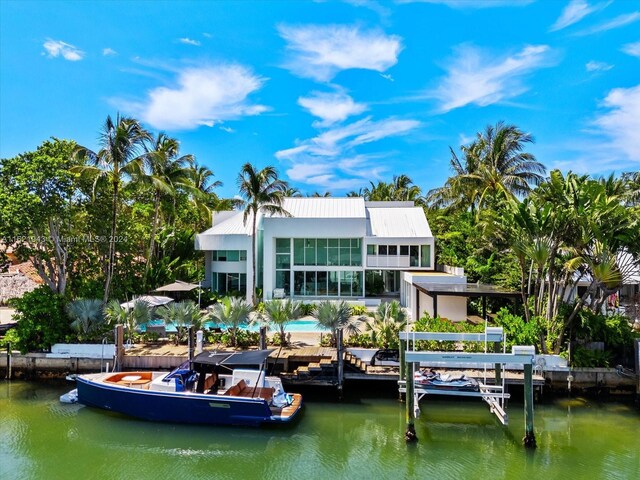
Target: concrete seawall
[38, 365]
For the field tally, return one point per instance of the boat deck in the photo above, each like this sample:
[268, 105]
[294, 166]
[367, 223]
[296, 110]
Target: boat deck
[289, 411]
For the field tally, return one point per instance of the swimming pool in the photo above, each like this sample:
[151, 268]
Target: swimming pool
[297, 326]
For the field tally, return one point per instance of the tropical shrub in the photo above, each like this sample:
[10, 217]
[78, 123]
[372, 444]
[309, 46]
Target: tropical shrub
[358, 310]
[362, 340]
[587, 358]
[11, 338]
[87, 318]
[518, 331]
[387, 322]
[41, 318]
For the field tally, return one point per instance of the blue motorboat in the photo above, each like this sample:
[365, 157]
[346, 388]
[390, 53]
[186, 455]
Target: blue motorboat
[214, 388]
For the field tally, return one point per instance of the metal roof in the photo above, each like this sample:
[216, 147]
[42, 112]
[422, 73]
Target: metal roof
[325, 207]
[464, 290]
[397, 222]
[231, 224]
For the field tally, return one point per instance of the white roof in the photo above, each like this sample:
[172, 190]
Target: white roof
[229, 223]
[397, 222]
[325, 207]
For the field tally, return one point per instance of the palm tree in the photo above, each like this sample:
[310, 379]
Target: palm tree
[166, 172]
[494, 165]
[336, 316]
[201, 191]
[233, 312]
[119, 159]
[282, 312]
[116, 314]
[262, 193]
[87, 317]
[290, 192]
[387, 322]
[183, 315]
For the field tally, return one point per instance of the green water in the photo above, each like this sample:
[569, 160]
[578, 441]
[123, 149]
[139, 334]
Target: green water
[43, 439]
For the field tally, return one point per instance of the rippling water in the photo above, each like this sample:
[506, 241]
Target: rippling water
[41, 438]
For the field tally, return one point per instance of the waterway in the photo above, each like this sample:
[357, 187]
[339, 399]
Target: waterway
[356, 439]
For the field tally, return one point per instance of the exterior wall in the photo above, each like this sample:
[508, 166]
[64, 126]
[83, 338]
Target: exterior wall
[453, 308]
[226, 242]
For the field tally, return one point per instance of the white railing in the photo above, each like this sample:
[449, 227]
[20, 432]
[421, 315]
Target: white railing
[399, 261]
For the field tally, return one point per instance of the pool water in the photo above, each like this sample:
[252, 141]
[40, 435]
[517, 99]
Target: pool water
[297, 326]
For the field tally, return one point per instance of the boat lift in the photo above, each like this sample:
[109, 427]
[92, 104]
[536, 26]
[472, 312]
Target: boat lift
[494, 394]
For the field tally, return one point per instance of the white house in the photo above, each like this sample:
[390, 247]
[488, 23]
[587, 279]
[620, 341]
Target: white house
[327, 248]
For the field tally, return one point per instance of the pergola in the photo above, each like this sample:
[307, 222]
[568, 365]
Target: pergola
[469, 290]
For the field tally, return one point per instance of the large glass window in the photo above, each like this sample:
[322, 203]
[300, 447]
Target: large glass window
[327, 252]
[233, 283]
[283, 245]
[332, 284]
[425, 255]
[414, 255]
[298, 251]
[404, 250]
[372, 250]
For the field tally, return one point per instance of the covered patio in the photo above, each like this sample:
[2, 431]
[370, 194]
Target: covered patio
[448, 306]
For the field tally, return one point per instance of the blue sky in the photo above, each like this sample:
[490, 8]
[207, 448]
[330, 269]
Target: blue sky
[333, 93]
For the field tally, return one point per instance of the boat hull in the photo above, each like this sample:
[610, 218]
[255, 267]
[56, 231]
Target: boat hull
[177, 407]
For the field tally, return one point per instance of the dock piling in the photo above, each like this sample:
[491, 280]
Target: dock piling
[340, 354]
[9, 361]
[410, 435]
[529, 435]
[119, 337]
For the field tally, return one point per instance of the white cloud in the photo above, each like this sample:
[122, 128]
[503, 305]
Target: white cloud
[619, 21]
[202, 96]
[189, 41]
[330, 160]
[331, 107]
[109, 52]
[483, 79]
[57, 48]
[621, 123]
[573, 13]
[632, 49]
[473, 4]
[594, 66]
[321, 51]
[387, 76]
[226, 129]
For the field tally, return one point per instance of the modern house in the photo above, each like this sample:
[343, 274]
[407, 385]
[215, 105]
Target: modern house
[342, 248]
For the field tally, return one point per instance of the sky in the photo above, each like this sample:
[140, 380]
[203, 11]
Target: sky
[334, 94]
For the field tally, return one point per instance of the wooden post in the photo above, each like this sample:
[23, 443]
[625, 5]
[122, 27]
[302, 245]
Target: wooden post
[403, 366]
[340, 361]
[435, 306]
[410, 435]
[484, 308]
[9, 359]
[529, 435]
[497, 366]
[192, 343]
[119, 337]
[263, 338]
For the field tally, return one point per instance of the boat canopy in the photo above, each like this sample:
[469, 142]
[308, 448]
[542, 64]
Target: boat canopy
[247, 357]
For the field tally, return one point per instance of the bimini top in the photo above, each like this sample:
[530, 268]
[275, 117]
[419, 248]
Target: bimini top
[248, 357]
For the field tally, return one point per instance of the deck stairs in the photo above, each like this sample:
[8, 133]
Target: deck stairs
[325, 369]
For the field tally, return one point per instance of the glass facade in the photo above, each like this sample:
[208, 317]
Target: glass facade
[326, 252]
[327, 283]
[229, 283]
